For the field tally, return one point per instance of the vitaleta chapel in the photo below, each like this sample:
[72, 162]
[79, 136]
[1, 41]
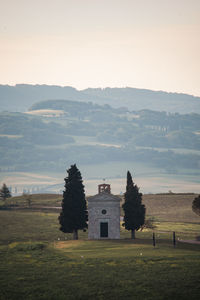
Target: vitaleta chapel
[104, 214]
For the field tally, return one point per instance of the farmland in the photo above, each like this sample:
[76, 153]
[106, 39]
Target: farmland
[164, 207]
[40, 262]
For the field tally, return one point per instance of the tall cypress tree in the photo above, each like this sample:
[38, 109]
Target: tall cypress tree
[73, 215]
[134, 210]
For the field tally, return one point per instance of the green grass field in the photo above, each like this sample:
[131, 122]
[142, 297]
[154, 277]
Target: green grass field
[37, 261]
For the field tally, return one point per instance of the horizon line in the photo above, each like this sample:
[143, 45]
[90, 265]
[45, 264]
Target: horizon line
[99, 87]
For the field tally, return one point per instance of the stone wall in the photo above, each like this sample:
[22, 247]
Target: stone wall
[104, 210]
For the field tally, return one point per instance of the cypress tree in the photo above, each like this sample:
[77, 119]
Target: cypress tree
[73, 215]
[134, 210]
[4, 192]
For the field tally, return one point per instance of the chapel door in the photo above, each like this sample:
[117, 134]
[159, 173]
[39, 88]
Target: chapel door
[103, 229]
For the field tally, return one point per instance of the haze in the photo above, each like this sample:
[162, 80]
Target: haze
[150, 44]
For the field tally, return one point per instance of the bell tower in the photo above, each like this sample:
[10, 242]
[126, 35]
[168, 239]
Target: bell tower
[104, 188]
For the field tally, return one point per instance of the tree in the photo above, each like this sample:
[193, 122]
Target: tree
[73, 215]
[4, 192]
[134, 210]
[196, 205]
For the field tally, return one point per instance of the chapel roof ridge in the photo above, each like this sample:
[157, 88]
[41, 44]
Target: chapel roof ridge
[104, 196]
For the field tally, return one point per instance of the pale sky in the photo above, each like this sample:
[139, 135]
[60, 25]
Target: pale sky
[153, 44]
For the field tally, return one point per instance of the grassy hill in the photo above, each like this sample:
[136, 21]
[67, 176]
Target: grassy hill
[163, 207]
[39, 200]
[37, 261]
[171, 207]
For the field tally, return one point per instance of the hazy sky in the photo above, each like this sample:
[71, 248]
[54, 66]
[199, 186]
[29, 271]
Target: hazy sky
[151, 44]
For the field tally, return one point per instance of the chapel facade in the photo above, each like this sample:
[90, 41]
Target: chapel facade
[104, 214]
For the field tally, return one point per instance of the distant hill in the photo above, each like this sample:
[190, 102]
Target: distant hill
[138, 99]
[22, 96]
[91, 134]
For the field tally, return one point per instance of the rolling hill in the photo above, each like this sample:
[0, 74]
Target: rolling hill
[21, 96]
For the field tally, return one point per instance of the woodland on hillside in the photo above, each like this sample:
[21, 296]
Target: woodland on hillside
[91, 133]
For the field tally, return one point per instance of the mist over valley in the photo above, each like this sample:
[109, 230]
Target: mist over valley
[45, 129]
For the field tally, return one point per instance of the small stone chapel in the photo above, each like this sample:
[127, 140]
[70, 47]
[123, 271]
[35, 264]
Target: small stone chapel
[104, 214]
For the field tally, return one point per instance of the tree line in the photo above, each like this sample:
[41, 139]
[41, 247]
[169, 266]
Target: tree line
[145, 135]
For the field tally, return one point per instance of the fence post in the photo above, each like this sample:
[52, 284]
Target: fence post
[154, 240]
[174, 239]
